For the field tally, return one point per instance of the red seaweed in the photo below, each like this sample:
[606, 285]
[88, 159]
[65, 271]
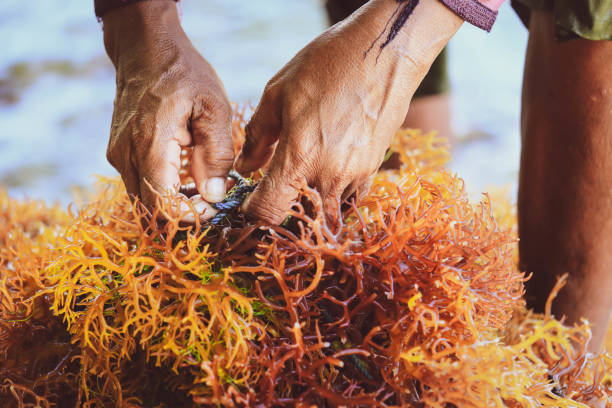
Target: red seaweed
[410, 297]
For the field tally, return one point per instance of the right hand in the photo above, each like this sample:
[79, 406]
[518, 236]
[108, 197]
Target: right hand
[168, 97]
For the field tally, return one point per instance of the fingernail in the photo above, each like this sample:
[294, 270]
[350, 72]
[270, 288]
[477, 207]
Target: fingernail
[214, 190]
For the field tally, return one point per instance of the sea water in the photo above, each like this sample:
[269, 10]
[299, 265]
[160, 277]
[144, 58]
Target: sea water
[57, 85]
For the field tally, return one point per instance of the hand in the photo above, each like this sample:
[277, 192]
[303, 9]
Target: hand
[168, 97]
[328, 116]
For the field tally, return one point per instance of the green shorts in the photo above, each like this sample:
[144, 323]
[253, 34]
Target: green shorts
[435, 82]
[589, 19]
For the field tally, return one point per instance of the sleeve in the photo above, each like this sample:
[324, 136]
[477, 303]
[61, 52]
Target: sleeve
[102, 7]
[481, 14]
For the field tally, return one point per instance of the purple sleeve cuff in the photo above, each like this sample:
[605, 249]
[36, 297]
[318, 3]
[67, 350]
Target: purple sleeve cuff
[473, 11]
[104, 6]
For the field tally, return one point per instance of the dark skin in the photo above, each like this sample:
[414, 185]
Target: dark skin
[565, 189]
[168, 97]
[330, 127]
[327, 117]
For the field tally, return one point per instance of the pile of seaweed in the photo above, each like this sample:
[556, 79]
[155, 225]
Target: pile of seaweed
[409, 297]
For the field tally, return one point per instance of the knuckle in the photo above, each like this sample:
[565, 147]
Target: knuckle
[257, 121]
[262, 208]
[223, 160]
[114, 152]
[249, 128]
[272, 89]
[218, 158]
[214, 106]
[253, 133]
[272, 198]
[212, 120]
[226, 155]
[111, 157]
[255, 124]
[272, 93]
[298, 160]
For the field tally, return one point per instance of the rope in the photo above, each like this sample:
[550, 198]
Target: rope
[234, 198]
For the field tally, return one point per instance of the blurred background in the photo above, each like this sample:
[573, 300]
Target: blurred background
[57, 85]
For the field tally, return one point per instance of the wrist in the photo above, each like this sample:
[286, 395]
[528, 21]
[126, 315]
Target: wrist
[429, 29]
[420, 39]
[101, 7]
[132, 29]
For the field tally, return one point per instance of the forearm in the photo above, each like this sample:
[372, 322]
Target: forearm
[426, 31]
[101, 7]
[410, 51]
[136, 29]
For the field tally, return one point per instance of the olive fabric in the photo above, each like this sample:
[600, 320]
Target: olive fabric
[589, 19]
[435, 82]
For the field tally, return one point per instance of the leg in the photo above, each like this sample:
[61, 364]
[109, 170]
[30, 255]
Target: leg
[565, 190]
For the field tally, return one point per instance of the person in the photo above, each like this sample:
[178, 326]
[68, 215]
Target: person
[326, 119]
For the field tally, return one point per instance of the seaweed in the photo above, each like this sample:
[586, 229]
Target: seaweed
[409, 297]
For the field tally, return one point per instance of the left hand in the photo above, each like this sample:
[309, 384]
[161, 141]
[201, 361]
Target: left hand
[327, 118]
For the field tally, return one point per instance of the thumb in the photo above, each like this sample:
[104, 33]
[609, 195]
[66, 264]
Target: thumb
[213, 151]
[262, 132]
[273, 197]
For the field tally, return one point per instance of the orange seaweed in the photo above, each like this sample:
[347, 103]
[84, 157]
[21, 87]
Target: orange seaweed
[411, 297]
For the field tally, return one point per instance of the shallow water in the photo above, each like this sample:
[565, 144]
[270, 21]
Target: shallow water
[57, 86]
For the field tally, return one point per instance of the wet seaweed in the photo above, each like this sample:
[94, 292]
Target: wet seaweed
[410, 297]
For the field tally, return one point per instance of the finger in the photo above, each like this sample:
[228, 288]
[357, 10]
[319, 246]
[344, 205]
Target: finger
[121, 159]
[213, 151]
[196, 207]
[262, 133]
[273, 197]
[331, 191]
[129, 175]
[159, 168]
[331, 207]
[360, 189]
[188, 209]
